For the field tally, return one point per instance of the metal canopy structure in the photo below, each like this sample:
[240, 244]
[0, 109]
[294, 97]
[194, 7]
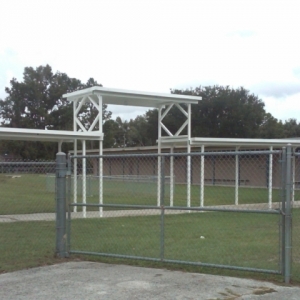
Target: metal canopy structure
[22, 134]
[130, 98]
[231, 142]
[97, 96]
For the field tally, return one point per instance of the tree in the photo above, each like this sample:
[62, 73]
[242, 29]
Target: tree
[121, 134]
[151, 117]
[36, 102]
[225, 112]
[291, 128]
[110, 130]
[271, 128]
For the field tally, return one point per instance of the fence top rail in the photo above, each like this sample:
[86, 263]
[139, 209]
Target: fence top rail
[221, 153]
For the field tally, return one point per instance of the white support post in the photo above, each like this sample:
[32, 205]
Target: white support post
[236, 195]
[75, 159]
[159, 158]
[75, 177]
[84, 178]
[188, 170]
[270, 181]
[293, 174]
[100, 179]
[202, 178]
[172, 177]
[100, 159]
[189, 158]
[189, 121]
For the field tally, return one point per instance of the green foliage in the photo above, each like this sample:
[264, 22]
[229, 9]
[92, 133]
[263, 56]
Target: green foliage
[271, 128]
[121, 134]
[37, 103]
[225, 112]
[291, 128]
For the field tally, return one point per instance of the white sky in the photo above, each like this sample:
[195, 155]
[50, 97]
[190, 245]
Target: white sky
[157, 45]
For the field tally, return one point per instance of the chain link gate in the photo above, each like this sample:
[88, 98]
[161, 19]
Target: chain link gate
[151, 207]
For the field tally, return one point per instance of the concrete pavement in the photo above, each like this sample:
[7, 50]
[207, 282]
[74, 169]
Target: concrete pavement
[91, 280]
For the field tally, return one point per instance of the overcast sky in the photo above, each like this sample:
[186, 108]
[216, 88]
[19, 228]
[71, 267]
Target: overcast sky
[158, 45]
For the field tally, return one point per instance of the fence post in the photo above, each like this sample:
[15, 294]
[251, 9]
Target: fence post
[288, 216]
[61, 171]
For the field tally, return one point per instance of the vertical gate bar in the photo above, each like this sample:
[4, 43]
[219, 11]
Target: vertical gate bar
[162, 206]
[61, 168]
[288, 190]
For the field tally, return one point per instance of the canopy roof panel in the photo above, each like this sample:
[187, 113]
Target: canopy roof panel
[131, 98]
[244, 142]
[47, 135]
[228, 142]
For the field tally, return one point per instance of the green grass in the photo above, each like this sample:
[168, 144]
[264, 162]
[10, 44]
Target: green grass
[230, 238]
[25, 194]
[35, 194]
[249, 240]
[26, 245]
[237, 239]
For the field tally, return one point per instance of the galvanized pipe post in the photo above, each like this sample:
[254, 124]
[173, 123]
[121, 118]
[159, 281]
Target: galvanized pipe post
[61, 171]
[288, 215]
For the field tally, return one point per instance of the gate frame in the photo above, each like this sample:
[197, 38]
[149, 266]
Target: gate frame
[63, 235]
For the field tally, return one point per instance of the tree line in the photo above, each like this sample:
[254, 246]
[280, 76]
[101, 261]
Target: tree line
[36, 102]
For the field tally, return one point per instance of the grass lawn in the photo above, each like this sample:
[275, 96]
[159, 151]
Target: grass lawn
[35, 194]
[249, 240]
[25, 194]
[237, 239]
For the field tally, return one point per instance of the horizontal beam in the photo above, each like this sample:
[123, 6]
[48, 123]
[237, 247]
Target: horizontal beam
[131, 98]
[47, 135]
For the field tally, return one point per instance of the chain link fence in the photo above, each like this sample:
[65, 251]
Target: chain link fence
[223, 209]
[27, 214]
[218, 209]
